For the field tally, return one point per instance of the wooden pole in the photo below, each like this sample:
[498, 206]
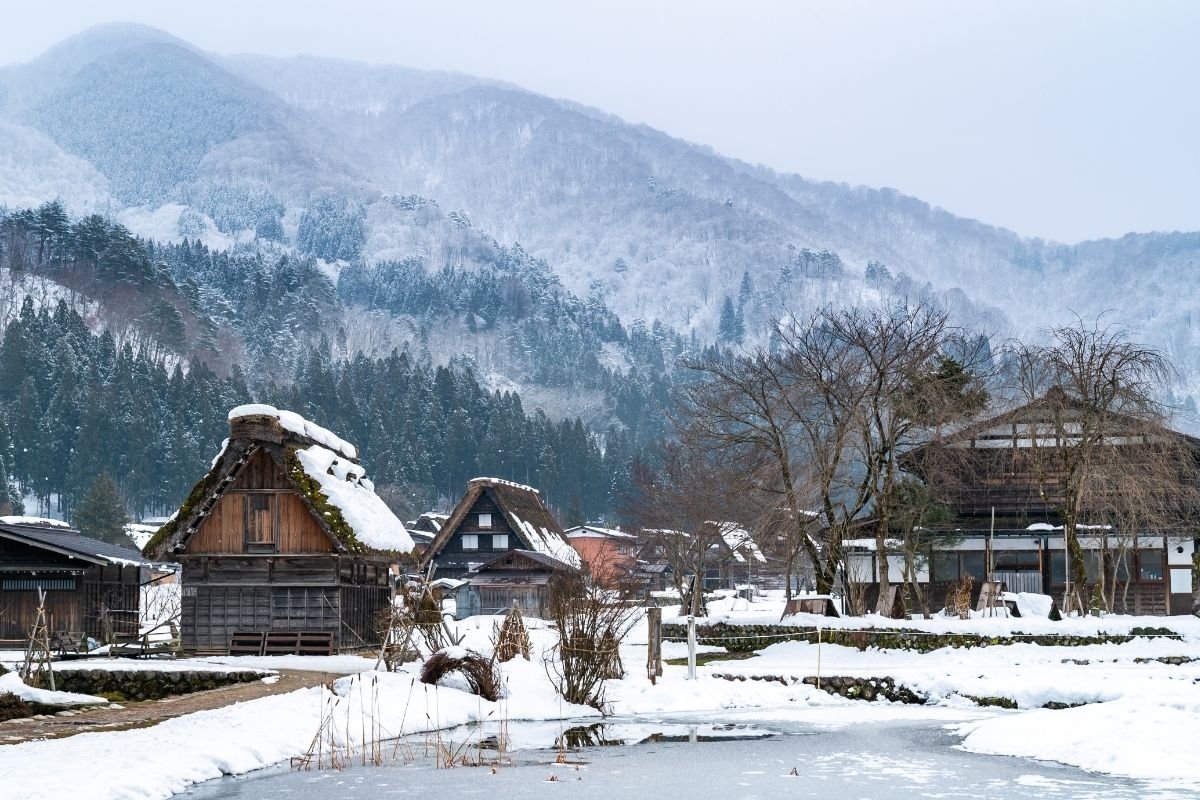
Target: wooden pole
[654, 667]
[691, 633]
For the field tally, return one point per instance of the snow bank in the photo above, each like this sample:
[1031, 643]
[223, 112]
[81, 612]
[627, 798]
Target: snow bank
[162, 760]
[157, 762]
[768, 613]
[1134, 737]
[11, 683]
[346, 486]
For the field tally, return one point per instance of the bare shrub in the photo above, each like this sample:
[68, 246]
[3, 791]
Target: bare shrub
[13, 707]
[478, 669]
[591, 623]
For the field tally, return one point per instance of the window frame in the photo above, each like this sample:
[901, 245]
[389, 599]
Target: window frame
[495, 543]
[249, 542]
[473, 539]
[484, 521]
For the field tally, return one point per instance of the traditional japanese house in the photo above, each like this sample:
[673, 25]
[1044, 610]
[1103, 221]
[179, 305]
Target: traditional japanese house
[91, 587]
[424, 528]
[733, 558]
[284, 535]
[998, 485]
[494, 517]
[610, 555]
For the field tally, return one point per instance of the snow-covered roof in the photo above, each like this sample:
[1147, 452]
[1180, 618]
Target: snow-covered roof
[291, 421]
[337, 488]
[528, 516]
[596, 532]
[346, 486]
[502, 482]
[739, 542]
[545, 541]
[40, 521]
[140, 533]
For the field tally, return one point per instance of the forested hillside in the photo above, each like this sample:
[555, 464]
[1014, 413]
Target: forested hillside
[141, 401]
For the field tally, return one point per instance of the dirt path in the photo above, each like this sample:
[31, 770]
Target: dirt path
[151, 712]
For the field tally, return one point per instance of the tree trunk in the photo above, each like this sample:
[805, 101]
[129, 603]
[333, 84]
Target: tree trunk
[1196, 577]
[1077, 567]
[884, 570]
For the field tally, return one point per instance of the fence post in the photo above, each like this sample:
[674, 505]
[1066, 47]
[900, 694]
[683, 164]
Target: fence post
[654, 666]
[691, 622]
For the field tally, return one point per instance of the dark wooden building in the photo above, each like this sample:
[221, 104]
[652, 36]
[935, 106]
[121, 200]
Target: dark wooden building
[522, 577]
[284, 533]
[92, 587]
[1004, 466]
[495, 517]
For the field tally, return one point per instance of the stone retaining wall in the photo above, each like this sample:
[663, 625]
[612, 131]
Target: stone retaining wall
[147, 684]
[745, 638]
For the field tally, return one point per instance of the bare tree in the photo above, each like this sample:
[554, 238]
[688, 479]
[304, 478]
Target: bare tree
[821, 418]
[1099, 443]
[672, 500]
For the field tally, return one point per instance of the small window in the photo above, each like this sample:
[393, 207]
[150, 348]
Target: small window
[485, 521]
[499, 541]
[973, 565]
[945, 566]
[1150, 565]
[470, 541]
[260, 522]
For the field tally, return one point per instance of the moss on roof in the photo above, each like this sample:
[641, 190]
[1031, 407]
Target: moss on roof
[311, 489]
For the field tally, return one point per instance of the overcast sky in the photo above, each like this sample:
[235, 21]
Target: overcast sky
[1065, 120]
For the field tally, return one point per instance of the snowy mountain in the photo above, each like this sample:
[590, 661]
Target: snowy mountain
[363, 164]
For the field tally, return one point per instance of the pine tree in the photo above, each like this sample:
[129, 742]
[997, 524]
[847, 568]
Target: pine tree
[746, 290]
[102, 513]
[732, 327]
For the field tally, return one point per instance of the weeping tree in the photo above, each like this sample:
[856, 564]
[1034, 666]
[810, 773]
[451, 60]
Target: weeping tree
[1100, 448]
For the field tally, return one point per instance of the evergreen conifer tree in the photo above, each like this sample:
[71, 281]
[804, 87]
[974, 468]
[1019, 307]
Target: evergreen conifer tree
[101, 515]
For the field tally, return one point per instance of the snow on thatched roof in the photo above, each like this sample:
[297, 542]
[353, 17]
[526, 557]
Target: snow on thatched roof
[346, 487]
[293, 422]
[739, 541]
[322, 467]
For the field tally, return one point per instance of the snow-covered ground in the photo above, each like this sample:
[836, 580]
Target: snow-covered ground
[1135, 707]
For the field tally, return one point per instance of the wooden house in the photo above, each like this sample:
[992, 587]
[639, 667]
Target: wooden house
[495, 517]
[92, 587]
[284, 535]
[733, 558]
[610, 555]
[997, 482]
[521, 577]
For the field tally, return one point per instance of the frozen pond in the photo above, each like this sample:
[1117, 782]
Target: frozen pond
[635, 759]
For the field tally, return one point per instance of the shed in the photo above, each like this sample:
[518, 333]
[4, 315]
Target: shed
[518, 576]
[92, 587]
[284, 534]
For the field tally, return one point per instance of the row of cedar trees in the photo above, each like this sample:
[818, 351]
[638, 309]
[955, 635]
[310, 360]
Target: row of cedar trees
[805, 440]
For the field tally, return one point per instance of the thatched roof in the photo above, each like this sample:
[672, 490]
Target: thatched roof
[527, 515]
[323, 468]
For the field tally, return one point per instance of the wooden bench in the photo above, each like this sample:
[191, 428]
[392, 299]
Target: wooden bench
[68, 642]
[281, 643]
[246, 643]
